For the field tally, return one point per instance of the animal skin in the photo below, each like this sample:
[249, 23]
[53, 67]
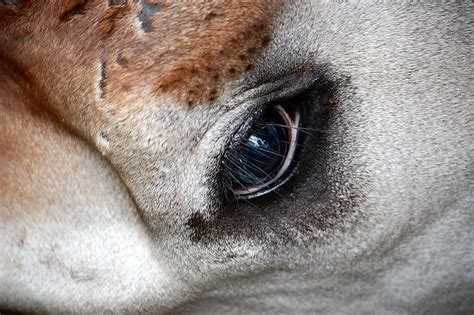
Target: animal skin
[115, 117]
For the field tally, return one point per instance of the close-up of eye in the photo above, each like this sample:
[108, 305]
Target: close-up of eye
[236, 157]
[263, 159]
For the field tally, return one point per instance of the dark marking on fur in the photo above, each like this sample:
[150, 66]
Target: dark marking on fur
[10, 2]
[197, 224]
[112, 18]
[103, 78]
[121, 61]
[147, 12]
[211, 15]
[21, 237]
[78, 8]
[115, 3]
[81, 276]
[10, 11]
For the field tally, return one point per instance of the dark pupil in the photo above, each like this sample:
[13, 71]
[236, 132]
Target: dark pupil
[261, 154]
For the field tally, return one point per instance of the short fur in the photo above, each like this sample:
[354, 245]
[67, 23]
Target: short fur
[115, 116]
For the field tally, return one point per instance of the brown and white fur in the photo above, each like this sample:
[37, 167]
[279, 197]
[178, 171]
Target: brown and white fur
[114, 116]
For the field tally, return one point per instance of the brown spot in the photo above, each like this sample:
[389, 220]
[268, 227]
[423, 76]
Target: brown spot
[122, 61]
[212, 96]
[266, 40]
[251, 50]
[125, 87]
[110, 20]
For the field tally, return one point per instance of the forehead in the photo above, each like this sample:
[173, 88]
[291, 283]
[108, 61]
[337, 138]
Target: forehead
[187, 50]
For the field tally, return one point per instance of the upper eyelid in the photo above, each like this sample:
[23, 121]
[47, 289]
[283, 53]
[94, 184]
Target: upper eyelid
[276, 90]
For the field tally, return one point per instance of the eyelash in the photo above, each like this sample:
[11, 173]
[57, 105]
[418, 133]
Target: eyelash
[239, 171]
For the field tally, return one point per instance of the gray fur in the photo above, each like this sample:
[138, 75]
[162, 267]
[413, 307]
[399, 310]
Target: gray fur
[399, 164]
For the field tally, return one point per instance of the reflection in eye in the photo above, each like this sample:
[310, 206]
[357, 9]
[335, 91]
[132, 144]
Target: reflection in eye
[260, 163]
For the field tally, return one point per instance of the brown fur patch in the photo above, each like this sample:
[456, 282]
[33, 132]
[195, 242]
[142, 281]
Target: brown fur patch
[194, 48]
[191, 51]
[17, 156]
[221, 42]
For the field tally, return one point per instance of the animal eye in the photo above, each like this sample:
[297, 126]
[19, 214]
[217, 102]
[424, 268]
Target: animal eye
[262, 160]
